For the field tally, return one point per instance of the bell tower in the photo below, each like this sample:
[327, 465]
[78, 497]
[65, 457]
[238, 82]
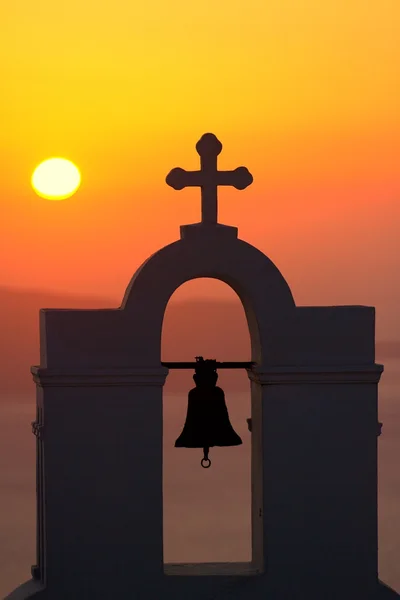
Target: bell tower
[314, 393]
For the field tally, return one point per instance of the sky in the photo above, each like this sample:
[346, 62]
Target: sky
[304, 93]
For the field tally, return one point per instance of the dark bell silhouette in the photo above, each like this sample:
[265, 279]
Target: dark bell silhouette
[207, 420]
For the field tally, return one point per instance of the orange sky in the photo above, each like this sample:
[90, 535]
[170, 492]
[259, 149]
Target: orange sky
[306, 94]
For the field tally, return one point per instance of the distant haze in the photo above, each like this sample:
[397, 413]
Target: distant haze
[215, 329]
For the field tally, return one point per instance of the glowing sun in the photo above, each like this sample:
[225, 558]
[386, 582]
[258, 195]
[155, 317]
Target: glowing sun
[56, 179]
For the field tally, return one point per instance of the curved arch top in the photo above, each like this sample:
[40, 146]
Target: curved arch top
[216, 253]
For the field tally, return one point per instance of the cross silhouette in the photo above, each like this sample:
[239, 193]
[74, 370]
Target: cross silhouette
[208, 178]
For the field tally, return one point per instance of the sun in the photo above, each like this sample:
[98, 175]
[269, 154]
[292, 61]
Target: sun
[56, 179]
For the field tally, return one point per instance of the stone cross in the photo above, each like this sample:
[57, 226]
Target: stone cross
[208, 178]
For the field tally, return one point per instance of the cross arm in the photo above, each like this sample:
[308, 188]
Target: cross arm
[179, 178]
[239, 178]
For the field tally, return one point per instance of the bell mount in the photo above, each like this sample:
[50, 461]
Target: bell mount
[217, 365]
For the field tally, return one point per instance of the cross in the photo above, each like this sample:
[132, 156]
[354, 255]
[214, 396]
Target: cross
[208, 178]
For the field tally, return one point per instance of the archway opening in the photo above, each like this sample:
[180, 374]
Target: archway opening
[207, 512]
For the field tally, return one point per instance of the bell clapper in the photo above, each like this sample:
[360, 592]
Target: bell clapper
[206, 462]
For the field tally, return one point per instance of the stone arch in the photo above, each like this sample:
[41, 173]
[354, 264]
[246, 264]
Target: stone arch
[195, 325]
[205, 317]
[263, 291]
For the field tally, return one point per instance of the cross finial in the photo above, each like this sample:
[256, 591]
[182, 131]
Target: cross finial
[208, 178]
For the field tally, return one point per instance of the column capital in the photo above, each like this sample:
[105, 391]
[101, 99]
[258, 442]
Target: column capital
[107, 376]
[275, 375]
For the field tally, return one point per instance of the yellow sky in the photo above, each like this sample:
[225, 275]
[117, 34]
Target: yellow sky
[121, 69]
[305, 93]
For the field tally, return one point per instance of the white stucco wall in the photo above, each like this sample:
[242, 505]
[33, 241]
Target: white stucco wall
[314, 410]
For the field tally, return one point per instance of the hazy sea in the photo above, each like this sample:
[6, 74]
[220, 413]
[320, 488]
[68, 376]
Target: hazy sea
[206, 512]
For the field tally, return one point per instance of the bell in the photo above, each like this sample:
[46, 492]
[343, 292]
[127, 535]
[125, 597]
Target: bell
[207, 420]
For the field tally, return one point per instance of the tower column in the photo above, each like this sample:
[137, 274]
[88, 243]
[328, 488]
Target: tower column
[103, 470]
[317, 430]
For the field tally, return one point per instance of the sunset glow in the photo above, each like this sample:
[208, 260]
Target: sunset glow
[306, 95]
